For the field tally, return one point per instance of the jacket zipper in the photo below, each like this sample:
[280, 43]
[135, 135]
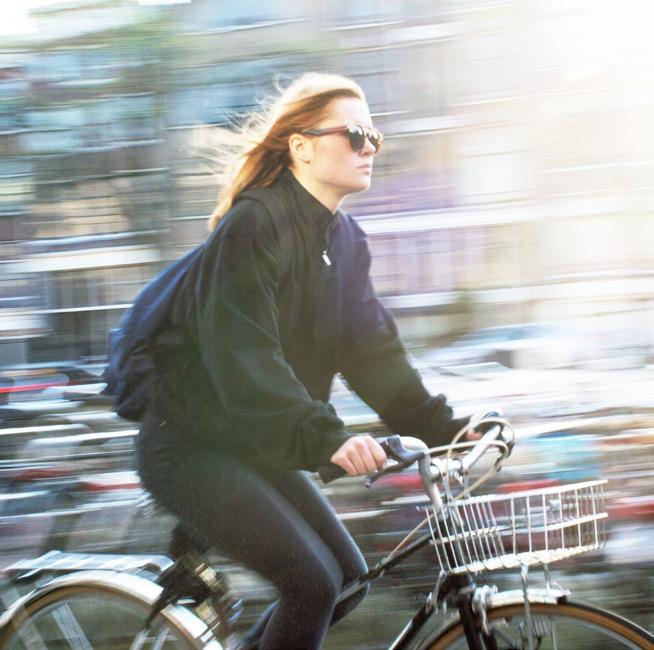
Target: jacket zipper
[325, 255]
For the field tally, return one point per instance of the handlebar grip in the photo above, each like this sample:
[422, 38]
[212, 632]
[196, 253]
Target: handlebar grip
[331, 472]
[491, 431]
[394, 449]
[485, 427]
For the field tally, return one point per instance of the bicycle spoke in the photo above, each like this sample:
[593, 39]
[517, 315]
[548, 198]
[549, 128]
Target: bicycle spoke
[31, 638]
[70, 628]
[500, 635]
[555, 643]
[161, 638]
[157, 643]
[139, 640]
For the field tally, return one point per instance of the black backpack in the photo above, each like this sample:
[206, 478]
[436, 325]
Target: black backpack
[129, 373]
[130, 366]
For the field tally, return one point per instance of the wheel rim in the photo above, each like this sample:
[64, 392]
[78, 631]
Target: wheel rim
[93, 621]
[554, 628]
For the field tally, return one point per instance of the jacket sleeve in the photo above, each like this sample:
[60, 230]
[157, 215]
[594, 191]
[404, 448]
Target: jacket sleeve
[237, 329]
[376, 366]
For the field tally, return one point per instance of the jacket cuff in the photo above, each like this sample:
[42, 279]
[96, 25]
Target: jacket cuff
[443, 426]
[440, 417]
[332, 441]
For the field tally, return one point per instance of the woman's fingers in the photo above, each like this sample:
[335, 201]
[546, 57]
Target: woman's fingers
[471, 434]
[358, 462]
[346, 465]
[378, 453]
[359, 455]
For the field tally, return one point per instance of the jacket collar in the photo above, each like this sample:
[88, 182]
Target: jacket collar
[312, 211]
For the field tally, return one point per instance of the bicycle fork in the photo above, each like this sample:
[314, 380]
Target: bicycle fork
[472, 602]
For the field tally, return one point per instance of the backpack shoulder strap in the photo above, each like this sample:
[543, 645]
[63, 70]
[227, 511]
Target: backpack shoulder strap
[276, 206]
[268, 197]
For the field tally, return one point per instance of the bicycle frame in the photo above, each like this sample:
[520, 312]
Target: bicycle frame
[463, 586]
[460, 588]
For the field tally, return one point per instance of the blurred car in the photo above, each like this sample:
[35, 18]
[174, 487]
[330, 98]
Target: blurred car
[526, 345]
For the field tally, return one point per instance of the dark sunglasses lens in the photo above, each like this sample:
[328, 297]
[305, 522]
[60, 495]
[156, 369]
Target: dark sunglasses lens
[357, 137]
[375, 138]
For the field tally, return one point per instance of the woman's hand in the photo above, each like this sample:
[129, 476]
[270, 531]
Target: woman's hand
[359, 455]
[472, 435]
[456, 424]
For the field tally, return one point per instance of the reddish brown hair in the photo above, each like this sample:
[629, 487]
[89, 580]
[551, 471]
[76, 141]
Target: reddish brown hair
[257, 153]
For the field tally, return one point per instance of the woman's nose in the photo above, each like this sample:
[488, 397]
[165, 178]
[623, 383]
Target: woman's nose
[368, 149]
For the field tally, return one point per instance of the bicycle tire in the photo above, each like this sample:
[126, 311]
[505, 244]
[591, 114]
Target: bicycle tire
[564, 625]
[100, 611]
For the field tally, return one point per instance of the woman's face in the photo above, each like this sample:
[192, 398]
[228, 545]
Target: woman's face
[334, 165]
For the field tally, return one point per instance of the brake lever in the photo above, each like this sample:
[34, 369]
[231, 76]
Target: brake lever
[396, 451]
[376, 475]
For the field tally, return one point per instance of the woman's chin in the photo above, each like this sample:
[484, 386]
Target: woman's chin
[363, 183]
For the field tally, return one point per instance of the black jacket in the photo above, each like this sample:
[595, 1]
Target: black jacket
[278, 301]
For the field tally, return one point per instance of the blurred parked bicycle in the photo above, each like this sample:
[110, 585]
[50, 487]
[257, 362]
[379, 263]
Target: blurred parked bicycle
[111, 602]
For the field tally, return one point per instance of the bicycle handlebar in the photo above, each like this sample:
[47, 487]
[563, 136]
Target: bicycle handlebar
[491, 426]
[406, 451]
[395, 450]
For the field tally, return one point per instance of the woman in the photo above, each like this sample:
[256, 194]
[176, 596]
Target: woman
[277, 300]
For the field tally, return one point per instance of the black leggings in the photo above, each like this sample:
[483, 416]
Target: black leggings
[275, 523]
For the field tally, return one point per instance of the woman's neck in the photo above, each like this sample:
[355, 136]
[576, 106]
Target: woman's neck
[327, 196]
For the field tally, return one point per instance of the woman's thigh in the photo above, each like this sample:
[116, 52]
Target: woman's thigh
[244, 516]
[305, 496]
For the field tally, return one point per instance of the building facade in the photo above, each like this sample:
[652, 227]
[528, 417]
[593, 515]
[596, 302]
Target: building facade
[514, 184]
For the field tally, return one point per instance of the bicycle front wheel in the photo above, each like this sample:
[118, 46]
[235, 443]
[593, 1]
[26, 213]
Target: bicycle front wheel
[555, 626]
[99, 617]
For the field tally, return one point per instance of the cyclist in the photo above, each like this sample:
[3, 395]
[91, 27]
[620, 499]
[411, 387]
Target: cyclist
[279, 300]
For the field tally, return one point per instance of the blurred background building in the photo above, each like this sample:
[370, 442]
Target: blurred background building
[516, 182]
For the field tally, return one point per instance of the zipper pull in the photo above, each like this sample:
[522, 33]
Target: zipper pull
[325, 258]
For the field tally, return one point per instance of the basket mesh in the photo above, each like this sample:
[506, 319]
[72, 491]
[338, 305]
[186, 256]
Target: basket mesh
[503, 531]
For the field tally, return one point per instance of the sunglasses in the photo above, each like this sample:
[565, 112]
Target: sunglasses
[356, 135]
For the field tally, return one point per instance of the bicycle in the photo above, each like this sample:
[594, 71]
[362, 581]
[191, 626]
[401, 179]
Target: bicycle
[182, 603]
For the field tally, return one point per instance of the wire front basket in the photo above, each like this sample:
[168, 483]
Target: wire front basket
[504, 531]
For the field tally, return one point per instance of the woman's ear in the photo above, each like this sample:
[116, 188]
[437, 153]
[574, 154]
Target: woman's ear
[300, 148]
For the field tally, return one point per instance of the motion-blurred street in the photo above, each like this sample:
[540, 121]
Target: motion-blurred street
[68, 484]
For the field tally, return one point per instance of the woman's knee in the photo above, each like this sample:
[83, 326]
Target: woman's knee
[353, 565]
[346, 606]
[357, 597]
[324, 592]
[317, 583]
